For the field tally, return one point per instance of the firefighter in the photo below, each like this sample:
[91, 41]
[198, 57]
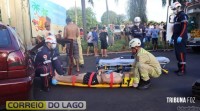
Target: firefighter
[145, 65]
[180, 37]
[46, 61]
[137, 31]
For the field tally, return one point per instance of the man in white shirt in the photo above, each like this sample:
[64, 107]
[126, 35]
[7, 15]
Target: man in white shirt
[89, 41]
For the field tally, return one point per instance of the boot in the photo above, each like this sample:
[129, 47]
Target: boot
[144, 84]
[182, 72]
[179, 67]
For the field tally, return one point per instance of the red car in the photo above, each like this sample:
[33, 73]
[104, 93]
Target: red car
[16, 67]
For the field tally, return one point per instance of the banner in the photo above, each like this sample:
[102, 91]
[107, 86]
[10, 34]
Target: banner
[45, 105]
[42, 11]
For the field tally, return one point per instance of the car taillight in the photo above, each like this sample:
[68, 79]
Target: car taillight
[16, 61]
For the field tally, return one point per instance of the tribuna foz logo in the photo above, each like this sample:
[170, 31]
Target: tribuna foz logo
[180, 99]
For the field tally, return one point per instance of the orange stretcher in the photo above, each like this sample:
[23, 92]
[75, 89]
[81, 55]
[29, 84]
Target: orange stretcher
[127, 82]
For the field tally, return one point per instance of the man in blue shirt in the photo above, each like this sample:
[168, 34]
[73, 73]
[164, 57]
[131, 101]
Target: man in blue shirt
[95, 41]
[154, 35]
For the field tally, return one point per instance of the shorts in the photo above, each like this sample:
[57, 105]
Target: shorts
[164, 36]
[154, 40]
[95, 44]
[148, 38]
[75, 49]
[104, 45]
[90, 44]
[86, 78]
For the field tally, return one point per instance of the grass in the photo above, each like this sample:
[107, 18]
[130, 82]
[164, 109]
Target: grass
[121, 45]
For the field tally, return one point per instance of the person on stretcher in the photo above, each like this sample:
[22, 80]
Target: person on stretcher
[145, 66]
[97, 78]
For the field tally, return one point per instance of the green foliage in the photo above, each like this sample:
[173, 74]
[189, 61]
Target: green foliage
[118, 46]
[121, 19]
[112, 18]
[36, 7]
[152, 22]
[121, 45]
[90, 17]
[44, 12]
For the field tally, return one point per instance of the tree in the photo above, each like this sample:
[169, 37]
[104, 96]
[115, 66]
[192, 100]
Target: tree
[137, 8]
[44, 12]
[112, 16]
[120, 19]
[36, 7]
[90, 16]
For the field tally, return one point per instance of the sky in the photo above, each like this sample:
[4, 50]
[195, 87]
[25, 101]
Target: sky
[155, 11]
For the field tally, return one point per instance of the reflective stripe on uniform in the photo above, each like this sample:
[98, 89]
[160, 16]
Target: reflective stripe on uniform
[184, 21]
[177, 23]
[135, 80]
[111, 79]
[55, 58]
[47, 61]
[182, 62]
[44, 74]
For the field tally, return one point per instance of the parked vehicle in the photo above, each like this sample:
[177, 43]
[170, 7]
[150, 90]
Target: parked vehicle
[16, 67]
[117, 32]
[193, 11]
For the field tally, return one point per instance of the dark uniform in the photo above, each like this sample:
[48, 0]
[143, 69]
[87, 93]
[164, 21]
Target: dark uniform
[45, 62]
[180, 30]
[138, 32]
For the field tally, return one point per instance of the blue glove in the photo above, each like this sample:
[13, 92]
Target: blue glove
[179, 39]
[54, 81]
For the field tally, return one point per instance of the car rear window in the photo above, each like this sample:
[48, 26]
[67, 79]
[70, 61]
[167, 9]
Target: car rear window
[4, 37]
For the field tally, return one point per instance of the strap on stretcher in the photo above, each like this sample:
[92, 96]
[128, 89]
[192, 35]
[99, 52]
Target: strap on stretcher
[90, 80]
[73, 80]
[111, 79]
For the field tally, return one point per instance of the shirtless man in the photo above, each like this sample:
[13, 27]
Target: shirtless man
[71, 31]
[84, 78]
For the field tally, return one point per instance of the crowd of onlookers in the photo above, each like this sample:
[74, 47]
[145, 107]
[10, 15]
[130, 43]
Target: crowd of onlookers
[105, 36]
[152, 33]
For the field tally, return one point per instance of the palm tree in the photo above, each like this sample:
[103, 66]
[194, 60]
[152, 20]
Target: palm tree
[44, 12]
[36, 7]
[137, 8]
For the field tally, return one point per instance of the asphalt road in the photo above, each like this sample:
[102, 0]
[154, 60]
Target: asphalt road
[130, 99]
